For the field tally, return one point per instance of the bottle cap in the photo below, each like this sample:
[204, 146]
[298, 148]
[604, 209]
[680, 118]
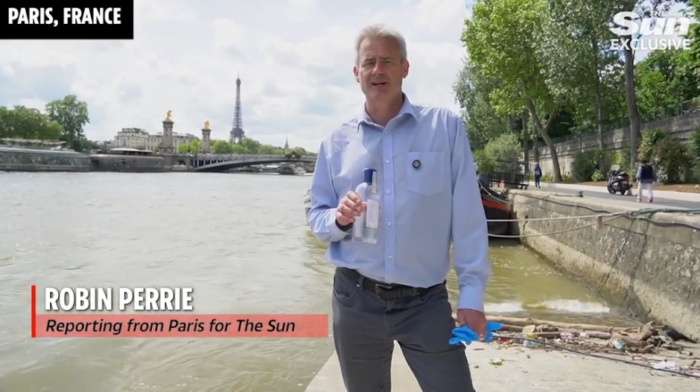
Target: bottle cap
[368, 174]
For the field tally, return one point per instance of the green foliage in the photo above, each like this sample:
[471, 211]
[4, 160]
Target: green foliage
[669, 157]
[583, 166]
[505, 148]
[579, 69]
[591, 165]
[472, 91]
[554, 56]
[598, 175]
[694, 144]
[72, 114]
[251, 146]
[64, 119]
[622, 158]
[21, 122]
[484, 163]
[192, 147]
[663, 80]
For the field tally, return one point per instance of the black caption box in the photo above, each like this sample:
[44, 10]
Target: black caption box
[68, 20]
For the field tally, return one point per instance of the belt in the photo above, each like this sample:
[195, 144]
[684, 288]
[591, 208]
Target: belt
[385, 291]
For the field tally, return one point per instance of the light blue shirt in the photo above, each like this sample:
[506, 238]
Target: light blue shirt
[422, 209]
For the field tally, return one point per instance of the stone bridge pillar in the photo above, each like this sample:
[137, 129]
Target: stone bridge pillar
[166, 146]
[206, 140]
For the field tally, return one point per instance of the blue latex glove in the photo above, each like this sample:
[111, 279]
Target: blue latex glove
[464, 335]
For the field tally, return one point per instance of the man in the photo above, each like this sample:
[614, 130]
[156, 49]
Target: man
[394, 290]
[538, 175]
[645, 179]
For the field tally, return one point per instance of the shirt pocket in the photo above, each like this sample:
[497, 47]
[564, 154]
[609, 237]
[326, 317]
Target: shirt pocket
[425, 172]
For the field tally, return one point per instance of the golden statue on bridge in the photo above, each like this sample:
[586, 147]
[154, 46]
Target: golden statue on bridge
[168, 115]
[206, 124]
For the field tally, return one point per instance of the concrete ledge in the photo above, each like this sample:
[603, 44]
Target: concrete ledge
[649, 265]
[681, 196]
[526, 370]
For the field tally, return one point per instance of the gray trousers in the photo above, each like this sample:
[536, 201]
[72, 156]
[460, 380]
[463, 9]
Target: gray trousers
[365, 327]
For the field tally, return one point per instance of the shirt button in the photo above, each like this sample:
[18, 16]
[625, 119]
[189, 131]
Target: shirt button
[388, 223]
[387, 161]
[390, 257]
[388, 191]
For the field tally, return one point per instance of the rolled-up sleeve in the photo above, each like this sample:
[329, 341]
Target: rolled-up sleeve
[469, 227]
[324, 201]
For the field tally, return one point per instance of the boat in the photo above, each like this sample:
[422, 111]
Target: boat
[496, 207]
[291, 170]
[129, 160]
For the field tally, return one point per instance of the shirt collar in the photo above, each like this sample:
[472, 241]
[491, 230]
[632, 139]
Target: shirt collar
[406, 109]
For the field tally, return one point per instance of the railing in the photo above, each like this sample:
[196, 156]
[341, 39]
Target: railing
[683, 107]
[510, 173]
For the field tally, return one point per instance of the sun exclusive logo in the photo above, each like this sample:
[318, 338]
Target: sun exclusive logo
[655, 32]
[113, 19]
[101, 312]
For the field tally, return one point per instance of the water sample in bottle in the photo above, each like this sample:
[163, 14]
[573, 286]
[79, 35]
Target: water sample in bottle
[364, 228]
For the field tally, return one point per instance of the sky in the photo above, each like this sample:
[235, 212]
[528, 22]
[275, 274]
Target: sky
[294, 58]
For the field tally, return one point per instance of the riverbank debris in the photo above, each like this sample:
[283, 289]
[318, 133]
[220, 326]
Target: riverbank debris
[658, 346]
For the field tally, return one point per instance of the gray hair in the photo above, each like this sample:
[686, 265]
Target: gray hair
[380, 31]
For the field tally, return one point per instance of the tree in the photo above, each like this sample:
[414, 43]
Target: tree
[472, 92]
[192, 147]
[25, 123]
[221, 147]
[72, 114]
[574, 47]
[663, 80]
[645, 8]
[505, 148]
[501, 40]
[694, 36]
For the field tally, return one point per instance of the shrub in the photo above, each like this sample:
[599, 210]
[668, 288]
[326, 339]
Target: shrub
[587, 163]
[484, 163]
[669, 157]
[504, 148]
[598, 176]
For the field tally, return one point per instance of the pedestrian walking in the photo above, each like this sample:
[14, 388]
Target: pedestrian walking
[645, 180]
[394, 290]
[538, 175]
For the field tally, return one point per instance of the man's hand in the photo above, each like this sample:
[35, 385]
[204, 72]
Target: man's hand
[350, 207]
[474, 319]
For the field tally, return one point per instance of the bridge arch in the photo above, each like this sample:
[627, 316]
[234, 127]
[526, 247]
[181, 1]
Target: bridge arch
[228, 165]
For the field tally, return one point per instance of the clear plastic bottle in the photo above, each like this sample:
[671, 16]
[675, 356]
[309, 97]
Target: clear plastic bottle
[365, 227]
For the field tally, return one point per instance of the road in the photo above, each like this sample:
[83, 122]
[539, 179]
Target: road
[658, 202]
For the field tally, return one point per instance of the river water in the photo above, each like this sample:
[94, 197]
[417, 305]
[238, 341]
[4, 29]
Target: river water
[239, 239]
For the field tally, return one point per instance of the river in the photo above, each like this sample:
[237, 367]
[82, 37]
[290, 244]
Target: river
[239, 239]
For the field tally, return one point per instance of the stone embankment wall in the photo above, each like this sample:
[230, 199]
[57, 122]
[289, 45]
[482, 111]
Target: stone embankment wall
[680, 127]
[650, 264]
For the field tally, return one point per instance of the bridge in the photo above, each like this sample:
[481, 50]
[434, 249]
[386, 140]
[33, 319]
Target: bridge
[224, 162]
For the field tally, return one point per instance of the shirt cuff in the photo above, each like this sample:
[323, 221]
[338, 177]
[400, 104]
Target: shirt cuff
[471, 298]
[336, 233]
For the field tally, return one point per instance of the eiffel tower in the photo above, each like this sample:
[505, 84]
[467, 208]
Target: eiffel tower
[237, 133]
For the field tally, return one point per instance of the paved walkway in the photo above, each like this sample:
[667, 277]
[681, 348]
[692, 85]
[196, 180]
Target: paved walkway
[627, 201]
[528, 370]
[666, 198]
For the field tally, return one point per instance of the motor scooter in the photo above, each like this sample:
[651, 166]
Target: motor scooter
[618, 180]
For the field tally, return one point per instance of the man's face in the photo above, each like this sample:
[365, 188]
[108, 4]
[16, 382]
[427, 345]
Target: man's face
[380, 71]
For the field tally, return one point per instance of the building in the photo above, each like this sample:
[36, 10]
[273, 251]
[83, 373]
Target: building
[140, 139]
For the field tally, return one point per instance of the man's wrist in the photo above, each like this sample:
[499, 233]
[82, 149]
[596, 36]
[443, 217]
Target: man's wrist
[343, 227]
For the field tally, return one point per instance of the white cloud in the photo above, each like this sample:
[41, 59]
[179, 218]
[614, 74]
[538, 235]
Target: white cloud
[294, 58]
